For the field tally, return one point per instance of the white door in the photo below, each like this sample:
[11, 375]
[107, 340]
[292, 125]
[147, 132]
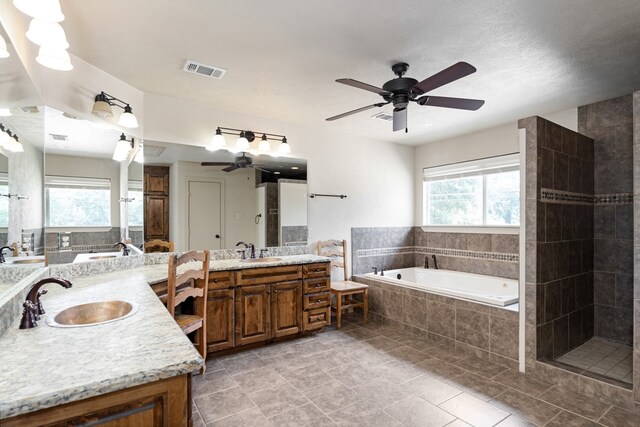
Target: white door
[261, 220]
[205, 215]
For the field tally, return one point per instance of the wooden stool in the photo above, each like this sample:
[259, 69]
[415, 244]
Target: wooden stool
[158, 246]
[336, 249]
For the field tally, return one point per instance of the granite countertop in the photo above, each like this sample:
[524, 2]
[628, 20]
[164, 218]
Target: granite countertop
[158, 273]
[45, 366]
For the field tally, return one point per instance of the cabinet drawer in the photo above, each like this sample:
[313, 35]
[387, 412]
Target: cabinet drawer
[317, 301]
[322, 269]
[314, 286]
[221, 279]
[315, 319]
[258, 276]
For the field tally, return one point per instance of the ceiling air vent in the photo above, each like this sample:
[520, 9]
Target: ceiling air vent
[203, 69]
[58, 138]
[383, 116]
[152, 150]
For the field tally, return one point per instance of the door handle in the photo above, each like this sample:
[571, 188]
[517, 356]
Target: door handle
[217, 236]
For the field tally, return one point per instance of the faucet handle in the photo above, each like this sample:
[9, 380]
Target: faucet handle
[28, 320]
[263, 252]
[242, 253]
[375, 270]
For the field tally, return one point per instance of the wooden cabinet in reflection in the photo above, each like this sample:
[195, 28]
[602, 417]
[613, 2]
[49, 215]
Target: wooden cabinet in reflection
[156, 203]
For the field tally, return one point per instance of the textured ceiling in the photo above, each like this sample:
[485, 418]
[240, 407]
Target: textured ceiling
[282, 56]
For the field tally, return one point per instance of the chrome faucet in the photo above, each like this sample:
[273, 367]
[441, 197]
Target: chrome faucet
[435, 262]
[33, 308]
[2, 260]
[426, 261]
[248, 246]
[125, 248]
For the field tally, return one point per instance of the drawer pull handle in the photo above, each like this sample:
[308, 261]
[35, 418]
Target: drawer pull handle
[319, 285]
[318, 301]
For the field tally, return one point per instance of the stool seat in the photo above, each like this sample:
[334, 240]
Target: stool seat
[347, 286]
[188, 322]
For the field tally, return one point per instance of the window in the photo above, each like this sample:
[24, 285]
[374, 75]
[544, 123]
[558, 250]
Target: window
[4, 200]
[77, 202]
[482, 192]
[135, 206]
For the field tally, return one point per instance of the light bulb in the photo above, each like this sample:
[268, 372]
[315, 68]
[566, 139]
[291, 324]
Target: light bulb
[284, 146]
[127, 119]
[48, 34]
[264, 145]
[56, 59]
[5, 112]
[46, 10]
[242, 143]
[217, 141]
[4, 52]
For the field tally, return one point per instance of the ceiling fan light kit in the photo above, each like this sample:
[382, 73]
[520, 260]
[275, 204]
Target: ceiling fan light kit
[245, 139]
[45, 31]
[402, 90]
[102, 108]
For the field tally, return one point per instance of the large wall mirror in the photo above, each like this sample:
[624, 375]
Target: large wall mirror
[92, 202]
[198, 200]
[21, 174]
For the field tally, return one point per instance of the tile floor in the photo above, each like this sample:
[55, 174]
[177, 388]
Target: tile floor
[603, 357]
[376, 375]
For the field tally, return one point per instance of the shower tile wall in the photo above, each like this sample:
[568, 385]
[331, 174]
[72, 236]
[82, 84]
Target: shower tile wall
[559, 232]
[636, 240]
[610, 125]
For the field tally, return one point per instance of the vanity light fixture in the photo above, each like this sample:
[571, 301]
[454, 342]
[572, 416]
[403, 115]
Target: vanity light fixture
[245, 138]
[45, 10]
[217, 142]
[123, 148]
[139, 158]
[4, 52]
[50, 34]
[9, 141]
[56, 59]
[102, 108]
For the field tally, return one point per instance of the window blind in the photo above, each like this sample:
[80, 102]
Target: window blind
[506, 163]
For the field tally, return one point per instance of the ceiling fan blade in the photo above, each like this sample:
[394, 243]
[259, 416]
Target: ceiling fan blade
[260, 169]
[459, 103]
[231, 168]
[215, 163]
[360, 85]
[348, 113]
[399, 119]
[446, 76]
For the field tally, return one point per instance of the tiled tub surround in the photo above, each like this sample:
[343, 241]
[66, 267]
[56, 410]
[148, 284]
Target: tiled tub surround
[403, 247]
[487, 332]
[559, 239]
[610, 125]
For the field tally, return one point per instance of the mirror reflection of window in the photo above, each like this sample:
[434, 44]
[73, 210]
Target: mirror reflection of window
[77, 202]
[4, 200]
[135, 205]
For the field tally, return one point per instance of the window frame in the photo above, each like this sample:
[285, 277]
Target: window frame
[479, 167]
[59, 182]
[135, 185]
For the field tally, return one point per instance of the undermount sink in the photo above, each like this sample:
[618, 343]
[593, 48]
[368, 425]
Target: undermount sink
[103, 257]
[27, 261]
[258, 260]
[91, 314]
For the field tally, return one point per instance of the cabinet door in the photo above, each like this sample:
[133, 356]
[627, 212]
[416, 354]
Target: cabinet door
[219, 319]
[252, 314]
[156, 217]
[156, 180]
[286, 308]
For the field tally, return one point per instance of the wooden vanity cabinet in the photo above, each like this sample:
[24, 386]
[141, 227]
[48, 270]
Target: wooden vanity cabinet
[286, 308]
[253, 309]
[157, 404]
[220, 309]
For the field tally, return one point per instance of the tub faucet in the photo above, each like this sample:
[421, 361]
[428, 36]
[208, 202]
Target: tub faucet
[125, 248]
[426, 261]
[375, 270]
[2, 260]
[381, 271]
[33, 308]
[435, 262]
[248, 246]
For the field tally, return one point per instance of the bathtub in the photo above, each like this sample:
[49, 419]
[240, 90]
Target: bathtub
[474, 287]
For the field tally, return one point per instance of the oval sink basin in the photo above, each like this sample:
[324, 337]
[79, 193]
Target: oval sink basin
[91, 314]
[27, 261]
[259, 260]
[103, 257]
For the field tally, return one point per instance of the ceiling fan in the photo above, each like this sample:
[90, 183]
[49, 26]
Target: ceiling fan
[241, 162]
[402, 90]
